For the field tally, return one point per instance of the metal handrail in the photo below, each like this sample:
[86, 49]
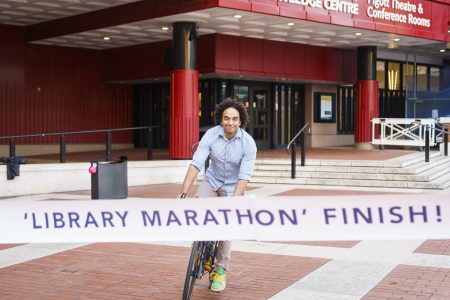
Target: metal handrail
[430, 127]
[427, 139]
[12, 142]
[292, 145]
[75, 132]
[296, 136]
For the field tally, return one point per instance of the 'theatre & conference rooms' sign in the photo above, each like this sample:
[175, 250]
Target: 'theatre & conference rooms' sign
[405, 11]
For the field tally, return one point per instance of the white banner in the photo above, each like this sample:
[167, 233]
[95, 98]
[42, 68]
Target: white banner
[418, 216]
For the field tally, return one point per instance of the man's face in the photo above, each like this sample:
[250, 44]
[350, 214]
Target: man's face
[230, 121]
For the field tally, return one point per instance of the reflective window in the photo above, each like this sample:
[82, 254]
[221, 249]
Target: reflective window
[345, 108]
[223, 90]
[393, 76]
[241, 94]
[434, 79]
[422, 77]
[408, 75]
[380, 74]
[287, 113]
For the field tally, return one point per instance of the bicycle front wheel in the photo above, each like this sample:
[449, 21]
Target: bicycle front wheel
[192, 270]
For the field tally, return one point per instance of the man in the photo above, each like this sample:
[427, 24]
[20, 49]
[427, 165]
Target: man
[232, 152]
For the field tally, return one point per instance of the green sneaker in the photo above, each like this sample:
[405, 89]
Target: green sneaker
[219, 280]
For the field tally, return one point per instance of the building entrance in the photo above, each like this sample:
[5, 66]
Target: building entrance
[276, 110]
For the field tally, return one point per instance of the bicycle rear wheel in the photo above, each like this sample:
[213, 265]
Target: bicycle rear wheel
[193, 270]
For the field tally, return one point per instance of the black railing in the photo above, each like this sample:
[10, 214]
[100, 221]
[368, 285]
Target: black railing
[292, 146]
[427, 139]
[62, 140]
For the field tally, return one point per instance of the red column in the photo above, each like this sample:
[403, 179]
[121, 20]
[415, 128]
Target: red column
[366, 109]
[184, 121]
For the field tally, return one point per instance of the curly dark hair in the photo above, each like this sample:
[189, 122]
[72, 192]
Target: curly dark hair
[231, 102]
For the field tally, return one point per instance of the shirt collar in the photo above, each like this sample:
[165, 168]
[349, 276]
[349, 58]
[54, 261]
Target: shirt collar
[238, 134]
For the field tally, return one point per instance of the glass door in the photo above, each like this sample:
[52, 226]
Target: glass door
[259, 117]
[288, 113]
[256, 100]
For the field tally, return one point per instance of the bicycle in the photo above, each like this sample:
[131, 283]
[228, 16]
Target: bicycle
[201, 261]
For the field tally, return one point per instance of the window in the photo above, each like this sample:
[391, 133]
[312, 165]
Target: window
[393, 76]
[408, 75]
[241, 94]
[434, 79]
[288, 112]
[345, 110]
[223, 90]
[380, 74]
[422, 82]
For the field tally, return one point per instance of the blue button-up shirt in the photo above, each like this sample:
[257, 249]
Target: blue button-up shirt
[231, 160]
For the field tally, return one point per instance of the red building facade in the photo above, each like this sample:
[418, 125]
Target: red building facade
[50, 87]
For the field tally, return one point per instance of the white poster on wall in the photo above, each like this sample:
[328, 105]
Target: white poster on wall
[326, 107]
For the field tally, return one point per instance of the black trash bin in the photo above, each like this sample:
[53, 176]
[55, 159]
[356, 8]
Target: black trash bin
[109, 180]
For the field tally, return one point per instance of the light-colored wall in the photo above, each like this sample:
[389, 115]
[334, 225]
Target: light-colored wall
[57, 178]
[322, 134]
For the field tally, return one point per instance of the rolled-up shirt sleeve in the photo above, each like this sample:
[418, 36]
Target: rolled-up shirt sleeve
[202, 152]
[248, 162]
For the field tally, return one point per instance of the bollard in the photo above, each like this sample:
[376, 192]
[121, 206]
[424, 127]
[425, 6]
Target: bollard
[302, 144]
[109, 146]
[293, 160]
[150, 144]
[62, 149]
[427, 145]
[12, 148]
[446, 141]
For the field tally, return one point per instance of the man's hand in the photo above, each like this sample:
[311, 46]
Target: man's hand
[239, 190]
[188, 181]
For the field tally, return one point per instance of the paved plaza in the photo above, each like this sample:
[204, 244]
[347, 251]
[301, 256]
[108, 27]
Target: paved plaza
[410, 269]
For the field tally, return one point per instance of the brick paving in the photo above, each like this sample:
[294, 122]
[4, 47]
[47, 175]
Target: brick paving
[144, 271]
[163, 154]
[7, 246]
[413, 282]
[336, 244]
[440, 247]
[314, 192]
[139, 271]
[161, 191]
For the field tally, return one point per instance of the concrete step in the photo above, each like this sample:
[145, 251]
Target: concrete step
[428, 175]
[442, 182]
[415, 174]
[398, 162]
[416, 168]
